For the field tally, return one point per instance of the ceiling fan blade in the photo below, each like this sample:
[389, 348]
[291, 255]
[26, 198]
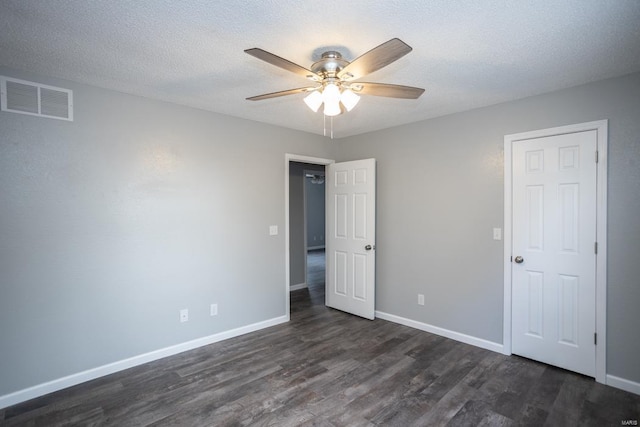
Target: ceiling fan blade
[376, 58]
[281, 93]
[282, 63]
[383, 89]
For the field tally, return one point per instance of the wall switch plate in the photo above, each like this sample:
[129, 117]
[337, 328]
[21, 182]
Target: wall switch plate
[273, 230]
[420, 299]
[184, 315]
[213, 311]
[497, 234]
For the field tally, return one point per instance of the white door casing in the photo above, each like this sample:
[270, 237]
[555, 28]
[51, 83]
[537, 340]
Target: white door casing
[553, 220]
[350, 237]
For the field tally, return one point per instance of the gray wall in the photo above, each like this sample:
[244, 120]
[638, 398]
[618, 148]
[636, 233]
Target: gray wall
[315, 200]
[440, 193]
[109, 225]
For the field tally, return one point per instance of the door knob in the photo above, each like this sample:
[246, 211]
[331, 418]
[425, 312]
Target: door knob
[519, 260]
[368, 247]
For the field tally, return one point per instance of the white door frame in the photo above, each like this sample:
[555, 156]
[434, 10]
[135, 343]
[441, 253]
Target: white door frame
[601, 127]
[288, 158]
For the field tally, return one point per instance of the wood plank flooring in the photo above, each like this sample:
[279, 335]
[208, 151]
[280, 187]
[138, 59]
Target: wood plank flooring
[316, 264]
[328, 368]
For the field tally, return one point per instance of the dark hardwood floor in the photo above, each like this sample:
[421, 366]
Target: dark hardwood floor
[316, 264]
[328, 368]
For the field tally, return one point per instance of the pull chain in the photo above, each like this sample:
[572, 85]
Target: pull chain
[324, 125]
[331, 127]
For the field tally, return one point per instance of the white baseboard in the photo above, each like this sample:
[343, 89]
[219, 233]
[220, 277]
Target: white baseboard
[80, 377]
[622, 384]
[613, 381]
[296, 287]
[313, 248]
[467, 339]
[74, 379]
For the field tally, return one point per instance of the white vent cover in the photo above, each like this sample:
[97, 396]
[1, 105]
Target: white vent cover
[21, 96]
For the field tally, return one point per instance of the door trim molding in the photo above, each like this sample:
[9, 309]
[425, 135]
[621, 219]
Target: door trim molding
[288, 158]
[601, 127]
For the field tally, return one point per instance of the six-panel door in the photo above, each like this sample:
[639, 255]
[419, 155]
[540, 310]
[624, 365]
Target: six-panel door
[350, 237]
[554, 231]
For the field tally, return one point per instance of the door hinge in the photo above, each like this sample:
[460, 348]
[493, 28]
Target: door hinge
[595, 338]
[595, 248]
[596, 156]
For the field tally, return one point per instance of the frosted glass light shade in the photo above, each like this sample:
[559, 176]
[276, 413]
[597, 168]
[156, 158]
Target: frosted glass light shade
[331, 98]
[349, 99]
[313, 100]
[332, 109]
[331, 94]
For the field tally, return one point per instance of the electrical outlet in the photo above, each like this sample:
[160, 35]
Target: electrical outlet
[214, 309]
[420, 299]
[184, 315]
[273, 230]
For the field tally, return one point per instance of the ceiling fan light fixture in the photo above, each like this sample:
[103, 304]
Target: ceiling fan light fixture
[313, 100]
[331, 94]
[332, 108]
[331, 98]
[333, 76]
[349, 99]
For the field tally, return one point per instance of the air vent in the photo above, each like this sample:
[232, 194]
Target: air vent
[20, 96]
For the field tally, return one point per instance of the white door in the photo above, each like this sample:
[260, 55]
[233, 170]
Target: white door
[350, 240]
[554, 261]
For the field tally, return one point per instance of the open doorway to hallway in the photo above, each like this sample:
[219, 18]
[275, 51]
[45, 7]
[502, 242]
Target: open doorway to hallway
[314, 212]
[296, 247]
[307, 229]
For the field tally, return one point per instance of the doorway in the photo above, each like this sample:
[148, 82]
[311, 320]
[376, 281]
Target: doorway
[306, 223]
[555, 246]
[350, 240]
[304, 247]
[314, 227]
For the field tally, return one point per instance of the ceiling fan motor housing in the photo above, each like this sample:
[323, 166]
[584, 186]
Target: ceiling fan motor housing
[330, 64]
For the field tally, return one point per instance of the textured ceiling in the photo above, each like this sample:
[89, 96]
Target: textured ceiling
[467, 54]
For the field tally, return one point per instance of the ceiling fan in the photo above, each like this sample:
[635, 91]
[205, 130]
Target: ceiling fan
[334, 77]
